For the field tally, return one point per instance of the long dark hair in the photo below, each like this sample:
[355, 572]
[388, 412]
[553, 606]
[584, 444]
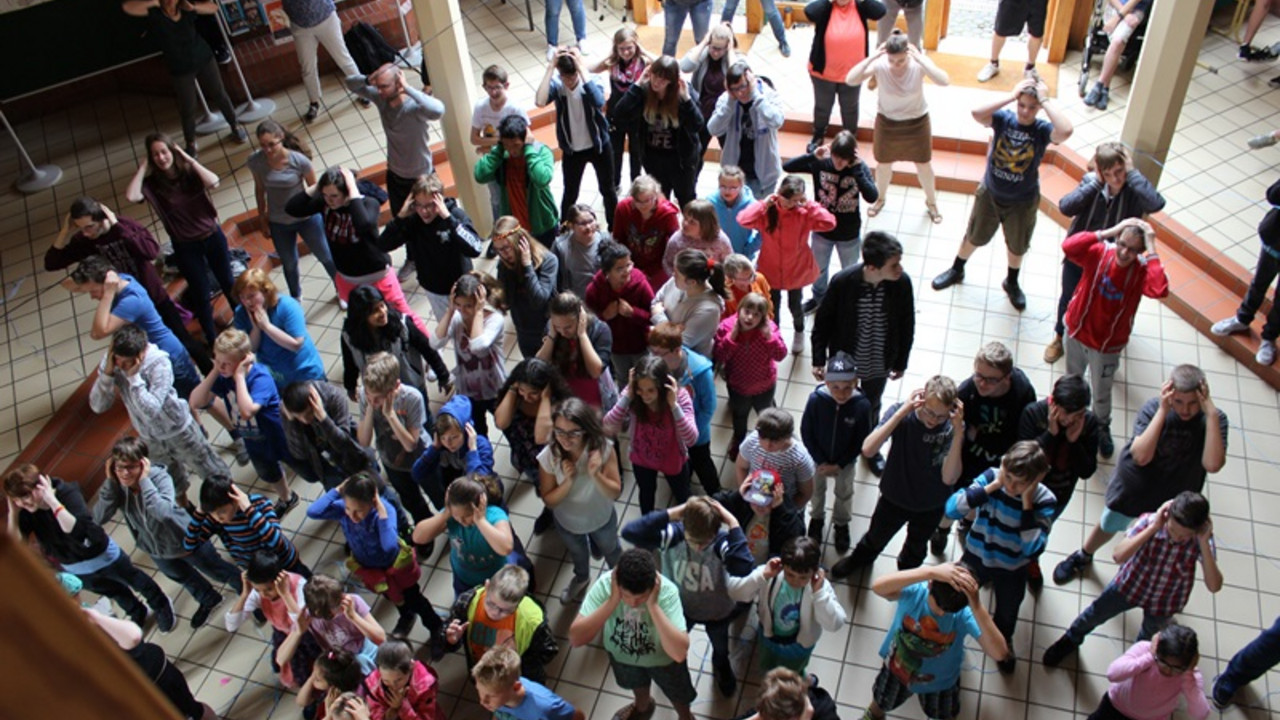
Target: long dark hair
[791, 186]
[651, 367]
[588, 421]
[364, 337]
[539, 375]
[566, 304]
[288, 139]
[698, 267]
[184, 173]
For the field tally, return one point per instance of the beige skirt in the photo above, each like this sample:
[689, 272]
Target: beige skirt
[903, 140]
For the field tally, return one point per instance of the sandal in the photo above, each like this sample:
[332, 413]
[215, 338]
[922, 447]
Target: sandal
[875, 208]
[934, 215]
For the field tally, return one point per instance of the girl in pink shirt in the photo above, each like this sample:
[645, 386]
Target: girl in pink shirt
[1147, 681]
[749, 347]
[662, 429]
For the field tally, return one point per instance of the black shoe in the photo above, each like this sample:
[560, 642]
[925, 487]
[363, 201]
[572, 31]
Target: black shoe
[1035, 576]
[193, 151]
[139, 616]
[364, 102]
[846, 566]
[165, 620]
[437, 646]
[810, 306]
[259, 617]
[222, 55]
[1274, 82]
[1220, 697]
[1007, 665]
[938, 541]
[1016, 297]
[951, 276]
[1059, 651]
[815, 530]
[405, 624]
[726, 683]
[313, 111]
[814, 144]
[543, 522]
[1071, 567]
[238, 135]
[285, 506]
[1106, 445]
[842, 537]
[425, 551]
[875, 464]
[202, 613]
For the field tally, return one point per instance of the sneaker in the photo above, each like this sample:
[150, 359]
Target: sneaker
[938, 541]
[875, 464]
[407, 272]
[810, 306]
[726, 683]
[1017, 298]
[815, 530]
[1231, 325]
[573, 592]
[1266, 352]
[950, 276]
[1053, 351]
[202, 613]
[582, 47]
[543, 522]
[784, 49]
[342, 305]
[1102, 99]
[814, 144]
[1035, 576]
[259, 617]
[797, 343]
[364, 102]
[238, 135]
[846, 566]
[192, 150]
[988, 71]
[222, 54]
[1220, 697]
[242, 452]
[551, 52]
[139, 616]
[1007, 665]
[103, 606]
[1106, 444]
[1095, 92]
[284, 506]
[842, 537]
[165, 621]
[404, 625]
[313, 111]
[1062, 648]
[1258, 142]
[1071, 567]
[631, 713]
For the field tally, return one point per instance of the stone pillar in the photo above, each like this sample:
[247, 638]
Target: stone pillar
[448, 60]
[1174, 34]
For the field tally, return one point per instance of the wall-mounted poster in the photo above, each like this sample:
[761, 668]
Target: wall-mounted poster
[278, 21]
[243, 16]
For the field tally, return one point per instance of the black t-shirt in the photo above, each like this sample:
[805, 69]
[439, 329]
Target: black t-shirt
[996, 421]
[913, 468]
[662, 140]
[1177, 465]
[183, 48]
[747, 142]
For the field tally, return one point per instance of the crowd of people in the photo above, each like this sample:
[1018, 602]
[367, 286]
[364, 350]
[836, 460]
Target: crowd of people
[622, 328]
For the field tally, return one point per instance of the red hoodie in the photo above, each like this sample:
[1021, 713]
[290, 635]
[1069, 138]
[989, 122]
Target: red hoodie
[1101, 312]
[646, 239]
[419, 702]
[630, 334]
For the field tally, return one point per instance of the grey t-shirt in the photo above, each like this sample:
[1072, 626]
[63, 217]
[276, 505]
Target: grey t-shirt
[913, 469]
[578, 264]
[1177, 465]
[585, 508]
[408, 142]
[281, 184]
[412, 412]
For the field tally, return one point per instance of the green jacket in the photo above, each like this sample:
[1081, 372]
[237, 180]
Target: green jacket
[533, 639]
[540, 162]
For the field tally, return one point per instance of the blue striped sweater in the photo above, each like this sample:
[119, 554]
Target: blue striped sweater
[1003, 536]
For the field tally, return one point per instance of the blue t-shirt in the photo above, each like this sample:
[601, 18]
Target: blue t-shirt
[924, 651]
[285, 365]
[133, 304]
[1013, 162]
[265, 425]
[472, 559]
[539, 704]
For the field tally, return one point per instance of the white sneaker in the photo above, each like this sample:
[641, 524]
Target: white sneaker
[551, 52]
[1229, 326]
[797, 343]
[1266, 353]
[342, 305]
[573, 592]
[988, 71]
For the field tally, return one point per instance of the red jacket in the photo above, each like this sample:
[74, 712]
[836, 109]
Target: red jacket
[1101, 312]
[630, 334]
[750, 362]
[646, 239]
[419, 702]
[785, 258]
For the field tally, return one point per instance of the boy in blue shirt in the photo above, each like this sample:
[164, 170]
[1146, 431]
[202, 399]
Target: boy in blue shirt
[1014, 512]
[249, 410]
[510, 697]
[924, 648]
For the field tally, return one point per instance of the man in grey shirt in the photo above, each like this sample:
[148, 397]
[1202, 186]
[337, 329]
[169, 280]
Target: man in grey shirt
[405, 112]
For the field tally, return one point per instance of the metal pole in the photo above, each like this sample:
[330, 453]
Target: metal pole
[35, 178]
[212, 122]
[252, 110]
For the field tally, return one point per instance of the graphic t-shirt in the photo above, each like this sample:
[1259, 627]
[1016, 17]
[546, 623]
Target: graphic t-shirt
[485, 119]
[411, 411]
[757, 532]
[747, 141]
[662, 140]
[338, 631]
[472, 559]
[484, 632]
[630, 636]
[786, 610]
[924, 651]
[265, 424]
[913, 468]
[991, 423]
[1013, 162]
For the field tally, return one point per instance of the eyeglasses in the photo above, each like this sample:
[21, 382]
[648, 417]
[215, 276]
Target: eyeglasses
[494, 609]
[569, 434]
[1173, 669]
[988, 379]
[584, 222]
[927, 414]
[737, 90]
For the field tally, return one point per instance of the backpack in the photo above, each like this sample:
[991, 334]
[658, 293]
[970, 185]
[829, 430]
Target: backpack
[370, 50]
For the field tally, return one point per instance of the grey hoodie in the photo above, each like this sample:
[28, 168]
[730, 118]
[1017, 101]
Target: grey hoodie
[154, 407]
[152, 513]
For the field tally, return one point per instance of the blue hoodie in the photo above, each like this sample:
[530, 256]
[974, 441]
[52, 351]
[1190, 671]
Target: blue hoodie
[374, 542]
[700, 379]
[478, 461]
[744, 241]
[832, 433]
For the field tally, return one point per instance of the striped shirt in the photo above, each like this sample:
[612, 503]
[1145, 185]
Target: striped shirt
[873, 330]
[1004, 535]
[246, 534]
[1160, 575]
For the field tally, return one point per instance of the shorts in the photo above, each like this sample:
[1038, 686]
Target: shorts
[1114, 522]
[1011, 15]
[889, 693]
[672, 679]
[1018, 221]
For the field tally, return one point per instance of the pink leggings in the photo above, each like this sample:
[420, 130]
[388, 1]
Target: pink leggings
[389, 286]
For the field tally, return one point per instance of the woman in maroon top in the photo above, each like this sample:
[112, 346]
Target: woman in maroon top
[643, 223]
[176, 187]
[620, 295]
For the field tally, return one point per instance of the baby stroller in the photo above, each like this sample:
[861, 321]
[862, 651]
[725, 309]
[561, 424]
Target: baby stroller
[1096, 42]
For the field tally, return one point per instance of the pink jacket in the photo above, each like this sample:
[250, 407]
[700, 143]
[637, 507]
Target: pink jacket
[750, 362]
[419, 702]
[1139, 690]
[664, 445]
[785, 257]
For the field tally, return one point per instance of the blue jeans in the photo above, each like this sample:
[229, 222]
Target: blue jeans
[605, 538]
[284, 237]
[196, 259]
[186, 571]
[770, 13]
[1108, 605]
[849, 251]
[675, 11]
[576, 12]
[1251, 662]
[115, 581]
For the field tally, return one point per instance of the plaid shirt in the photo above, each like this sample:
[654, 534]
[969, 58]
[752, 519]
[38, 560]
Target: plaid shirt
[1159, 577]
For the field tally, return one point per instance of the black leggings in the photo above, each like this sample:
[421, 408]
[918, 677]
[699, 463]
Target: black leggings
[647, 481]
[795, 303]
[673, 176]
[704, 467]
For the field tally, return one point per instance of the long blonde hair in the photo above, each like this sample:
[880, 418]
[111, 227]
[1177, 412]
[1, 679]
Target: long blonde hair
[664, 110]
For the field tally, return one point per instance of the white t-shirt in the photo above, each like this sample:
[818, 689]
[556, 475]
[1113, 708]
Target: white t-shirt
[585, 508]
[579, 130]
[901, 97]
[485, 119]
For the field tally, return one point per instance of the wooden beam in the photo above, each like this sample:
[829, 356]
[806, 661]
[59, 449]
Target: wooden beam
[1057, 29]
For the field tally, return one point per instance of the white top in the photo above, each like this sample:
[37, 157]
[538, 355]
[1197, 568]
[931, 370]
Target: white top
[901, 96]
[585, 509]
[485, 119]
[579, 130]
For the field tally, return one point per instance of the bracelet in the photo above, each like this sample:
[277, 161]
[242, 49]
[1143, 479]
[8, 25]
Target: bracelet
[58, 509]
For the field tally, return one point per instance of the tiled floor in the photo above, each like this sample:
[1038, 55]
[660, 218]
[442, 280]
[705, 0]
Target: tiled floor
[1213, 184]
